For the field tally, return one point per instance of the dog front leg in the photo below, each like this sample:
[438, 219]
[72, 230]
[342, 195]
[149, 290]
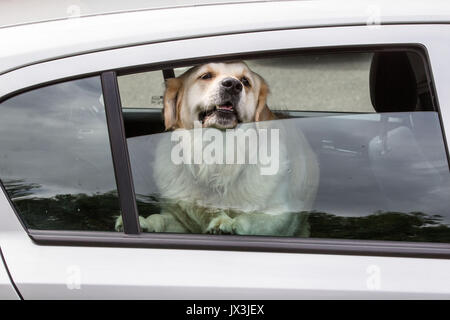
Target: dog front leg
[285, 224]
[155, 223]
[119, 223]
[221, 224]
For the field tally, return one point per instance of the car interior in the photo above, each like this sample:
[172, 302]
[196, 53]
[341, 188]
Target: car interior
[398, 83]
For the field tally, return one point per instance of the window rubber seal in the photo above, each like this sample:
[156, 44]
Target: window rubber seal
[380, 248]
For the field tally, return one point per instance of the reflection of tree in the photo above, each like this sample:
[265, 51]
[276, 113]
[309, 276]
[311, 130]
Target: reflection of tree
[18, 188]
[395, 226]
[98, 212]
[94, 212]
[148, 204]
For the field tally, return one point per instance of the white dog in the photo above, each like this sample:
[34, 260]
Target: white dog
[231, 198]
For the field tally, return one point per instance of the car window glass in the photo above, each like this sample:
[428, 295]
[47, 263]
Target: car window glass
[354, 149]
[55, 158]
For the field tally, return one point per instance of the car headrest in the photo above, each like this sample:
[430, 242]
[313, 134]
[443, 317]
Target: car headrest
[393, 86]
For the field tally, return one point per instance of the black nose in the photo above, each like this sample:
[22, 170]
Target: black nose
[232, 85]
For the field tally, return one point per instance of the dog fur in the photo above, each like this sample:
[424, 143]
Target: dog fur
[230, 198]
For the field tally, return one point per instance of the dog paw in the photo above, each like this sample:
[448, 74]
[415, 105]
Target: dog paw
[242, 225]
[221, 225]
[142, 222]
[153, 223]
[119, 224]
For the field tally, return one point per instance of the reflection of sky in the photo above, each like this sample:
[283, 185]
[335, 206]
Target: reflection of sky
[405, 170]
[57, 137]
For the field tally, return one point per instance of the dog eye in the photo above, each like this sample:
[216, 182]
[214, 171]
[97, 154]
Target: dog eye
[245, 82]
[206, 76]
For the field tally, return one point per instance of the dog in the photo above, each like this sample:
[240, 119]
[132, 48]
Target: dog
[229, 198]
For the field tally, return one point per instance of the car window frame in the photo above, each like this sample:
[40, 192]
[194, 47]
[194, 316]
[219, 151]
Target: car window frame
[132, 238]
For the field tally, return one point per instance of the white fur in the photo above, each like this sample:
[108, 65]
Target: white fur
[241, 186]
[261, 204]
[233, 198]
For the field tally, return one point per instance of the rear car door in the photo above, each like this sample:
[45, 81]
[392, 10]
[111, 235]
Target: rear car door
[57, 233]
[7, 291]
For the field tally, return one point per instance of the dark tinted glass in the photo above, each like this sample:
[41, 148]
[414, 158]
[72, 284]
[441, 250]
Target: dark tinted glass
[55, 158]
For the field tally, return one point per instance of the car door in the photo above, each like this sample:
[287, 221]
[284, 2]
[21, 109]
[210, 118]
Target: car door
[7, 291]
[74, 144]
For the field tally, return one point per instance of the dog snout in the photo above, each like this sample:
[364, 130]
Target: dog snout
[232, 85]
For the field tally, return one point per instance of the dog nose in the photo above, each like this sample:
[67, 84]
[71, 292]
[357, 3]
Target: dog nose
[232, 85]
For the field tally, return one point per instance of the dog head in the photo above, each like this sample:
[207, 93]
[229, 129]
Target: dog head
[219, 95]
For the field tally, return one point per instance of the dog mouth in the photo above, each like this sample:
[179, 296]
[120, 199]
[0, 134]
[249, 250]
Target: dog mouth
[220, 116]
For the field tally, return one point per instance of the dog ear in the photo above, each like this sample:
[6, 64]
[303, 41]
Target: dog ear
[171, 97]
[263, 112]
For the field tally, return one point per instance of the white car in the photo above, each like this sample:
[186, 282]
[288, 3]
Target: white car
[81, 94]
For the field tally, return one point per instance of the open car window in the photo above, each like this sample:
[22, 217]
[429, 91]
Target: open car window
[326, 82]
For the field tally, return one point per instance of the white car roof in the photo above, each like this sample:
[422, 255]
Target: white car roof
[15, 12]
[27, 43]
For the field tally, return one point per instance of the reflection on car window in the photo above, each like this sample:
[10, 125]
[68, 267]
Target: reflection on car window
[55, 158]
[219, 159]
[230, 163]
[381, 177]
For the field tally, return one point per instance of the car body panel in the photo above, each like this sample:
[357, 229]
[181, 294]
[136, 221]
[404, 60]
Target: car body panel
[71, 272]
[14, 13]
[31, 43]
[84, 272]
[7, 291]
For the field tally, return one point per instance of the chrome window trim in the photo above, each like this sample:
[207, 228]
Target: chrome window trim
[243, 243]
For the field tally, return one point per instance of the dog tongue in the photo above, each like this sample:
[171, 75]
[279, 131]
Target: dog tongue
[229, 108]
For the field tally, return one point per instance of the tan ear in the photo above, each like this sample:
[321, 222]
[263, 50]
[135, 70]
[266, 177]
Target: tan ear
[263, 112]
[171, 96]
